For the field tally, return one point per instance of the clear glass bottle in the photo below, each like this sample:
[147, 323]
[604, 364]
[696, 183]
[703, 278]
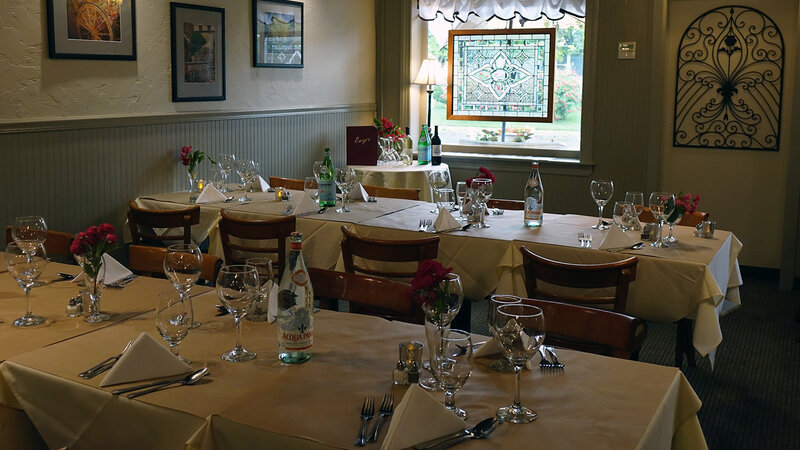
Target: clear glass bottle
[436, 147]
[327, 182]
[424, 146]
[534, 198]
[295, 307]
[408, 146]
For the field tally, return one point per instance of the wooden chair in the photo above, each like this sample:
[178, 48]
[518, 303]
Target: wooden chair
[416, 250]
[511, 205]
[390, 192]
[618, 274]
[288, 183]
[689, 220]
[376, 296]
[57, 243]
[243, 230]
[591, 330]
[142, 221]
[149, 261]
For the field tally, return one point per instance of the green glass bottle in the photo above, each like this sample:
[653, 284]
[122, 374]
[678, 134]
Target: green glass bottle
[327, 181]
[424, 146]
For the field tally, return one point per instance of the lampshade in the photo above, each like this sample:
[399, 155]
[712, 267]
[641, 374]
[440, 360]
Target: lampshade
[429, 73]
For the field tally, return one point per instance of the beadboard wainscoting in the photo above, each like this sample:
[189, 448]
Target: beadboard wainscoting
[80, 172]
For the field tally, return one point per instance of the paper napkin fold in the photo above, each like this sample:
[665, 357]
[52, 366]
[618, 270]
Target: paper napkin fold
[306, 205]
[418, 418]
[210, 194]
[272, 304]
[261, 184]
[490, 348]
[616, 238]
[358, 193]
[146, 359]
[114, 271]
[445, 221]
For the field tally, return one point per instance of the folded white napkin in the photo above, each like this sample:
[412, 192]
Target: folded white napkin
[114, 271]
[146, 359]
[272, 304]
[445, 221]
[261, 184]
[358, 192]
[210, 194]
[418, 418]
[616, 238]
[306, 205]
[490, 348]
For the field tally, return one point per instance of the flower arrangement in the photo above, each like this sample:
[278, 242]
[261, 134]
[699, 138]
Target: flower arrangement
[387, 129]
[684, 203]
[483, 172]
[192, 158]
[427, 288]
[90, 245]
[512, 134]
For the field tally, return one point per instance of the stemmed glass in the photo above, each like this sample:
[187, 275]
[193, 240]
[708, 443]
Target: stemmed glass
[520, 332]
[602, 191]
[316, 169]
[311, 188]
[247, 171]
[237, 287]
[346, 180]
[26, 266]
[226, 164]
[451, 364]
[263, 265]
[438, 179]
[500, 365]
[661, 205]
[438, 318]
[29, 232]
[173, 320]
[183, 264]
[623, 215]
[480, 193]
[461, 199]
[637, 200]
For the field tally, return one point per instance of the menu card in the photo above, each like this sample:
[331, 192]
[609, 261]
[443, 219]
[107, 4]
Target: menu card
[362, 146]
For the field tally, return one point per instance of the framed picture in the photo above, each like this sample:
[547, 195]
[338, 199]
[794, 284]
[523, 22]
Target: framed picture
[277, 33]
[91, 29]
[198, 52]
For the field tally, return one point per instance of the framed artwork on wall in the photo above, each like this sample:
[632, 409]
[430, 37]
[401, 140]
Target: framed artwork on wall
[277, 33]
[198, 52]
[91, 29]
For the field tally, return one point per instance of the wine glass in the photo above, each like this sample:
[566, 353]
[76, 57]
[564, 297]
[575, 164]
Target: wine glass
[237, 286]
[183, 264]
[661, 205]
[451, 364]
[520, 332]
[623, 215]
[26, 267]
[346, 180]
[462, 198]
[173, 320]
[316, 169]
[637, 200]
[602, 191]
[310, 186]
[438, 180]
[500, 365]
[480, 193]
[29, 232]
[226, 164]
[437, 319]
[245, 170]
[263, 265]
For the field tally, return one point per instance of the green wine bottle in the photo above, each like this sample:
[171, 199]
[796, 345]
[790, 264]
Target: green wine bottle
[327, 181]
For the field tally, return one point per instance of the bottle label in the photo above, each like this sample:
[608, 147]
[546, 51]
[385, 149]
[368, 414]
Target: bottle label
[300, 277]
[437, 150]
[296, 329]
[533, 210]
[533, 182]
[327, 190]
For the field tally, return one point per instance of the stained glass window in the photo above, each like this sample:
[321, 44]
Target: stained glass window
[501, 75]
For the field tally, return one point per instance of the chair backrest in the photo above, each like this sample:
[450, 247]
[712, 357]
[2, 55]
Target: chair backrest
[57, 243]
[149, 261]
[375, 296]
[416, 250]
[687, 219]
[511, 205]
[390, 192]
[288, 183]
[617, 274]
[142, 222]
[591, 330]
[243, 235]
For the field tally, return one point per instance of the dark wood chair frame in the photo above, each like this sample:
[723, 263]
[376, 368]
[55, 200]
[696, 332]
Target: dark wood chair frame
[385, 250]
[511, 205]
[141, 220]
[149, 261]
[288, 183]
[392, 192]
[256, 230]
[57, 242]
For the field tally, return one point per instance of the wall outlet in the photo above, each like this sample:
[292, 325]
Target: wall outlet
[626, 50]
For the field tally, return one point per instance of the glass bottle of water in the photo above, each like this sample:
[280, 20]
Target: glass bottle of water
[424, 146]
[295, 307]
[534, 198]
[327, 182]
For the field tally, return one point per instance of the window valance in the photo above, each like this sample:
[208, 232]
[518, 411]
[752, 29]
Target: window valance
[453, 10]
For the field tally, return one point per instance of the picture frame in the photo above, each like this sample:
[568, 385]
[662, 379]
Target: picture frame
[91, 29]
[277, 33]
[197, 38]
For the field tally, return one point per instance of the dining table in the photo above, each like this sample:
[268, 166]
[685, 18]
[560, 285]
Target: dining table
[414, 176]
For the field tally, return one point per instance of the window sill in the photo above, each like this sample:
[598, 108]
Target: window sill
[547, 164]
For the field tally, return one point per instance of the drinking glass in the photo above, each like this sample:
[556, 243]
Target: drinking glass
[227, 162]
[245, 169]
[237, 286]
[451, 364]
[26, 267]
[447, 199]
[520, 332]
[661, 205]
[173, 320]
[29, 232]
[263, 265]
[438, 319]
[602, 191]
[623, 215]
[346, 180]
[438, 180]
[480, 193]
[317, 168]
[461, 196]
[500, 365]
[310, 186]
[637, 200]
[183, 264]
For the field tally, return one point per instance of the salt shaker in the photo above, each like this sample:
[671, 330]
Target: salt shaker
[75, 307]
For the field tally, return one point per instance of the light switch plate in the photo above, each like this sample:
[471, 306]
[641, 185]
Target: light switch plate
[626, 50]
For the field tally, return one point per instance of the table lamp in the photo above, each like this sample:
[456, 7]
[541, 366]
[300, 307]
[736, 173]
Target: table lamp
[429, 75]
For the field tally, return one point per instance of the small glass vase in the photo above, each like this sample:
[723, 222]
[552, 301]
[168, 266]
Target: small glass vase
[672, 239]
[94, 290]
[192, 186]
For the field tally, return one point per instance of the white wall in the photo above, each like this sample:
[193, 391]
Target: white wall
[339, 67]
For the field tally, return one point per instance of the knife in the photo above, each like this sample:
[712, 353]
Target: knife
[464, 228]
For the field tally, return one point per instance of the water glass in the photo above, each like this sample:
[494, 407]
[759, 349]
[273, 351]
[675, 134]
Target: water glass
[263, 265]
[602, 191]
[29, 232]
[438, 180]
[624, 215]
[463, 199]
[661, 205]
[346, 180]
[183, 264]
[173, 320]
[26, 266]
[237, 286]
[500, 365]
[451, 364]
[227, 163]
[310, 186]
[637, 200]
[480, 191]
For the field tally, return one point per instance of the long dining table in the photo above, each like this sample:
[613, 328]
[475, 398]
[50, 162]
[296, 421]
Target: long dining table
[697, 278]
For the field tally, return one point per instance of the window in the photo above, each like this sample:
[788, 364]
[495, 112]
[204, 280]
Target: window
[561, 138]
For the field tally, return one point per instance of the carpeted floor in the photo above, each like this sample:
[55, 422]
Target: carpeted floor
[751, 399]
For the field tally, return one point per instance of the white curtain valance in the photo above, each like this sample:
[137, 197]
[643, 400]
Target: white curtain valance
[460, 10]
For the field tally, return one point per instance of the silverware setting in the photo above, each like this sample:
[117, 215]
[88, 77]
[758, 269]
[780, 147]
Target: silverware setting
[481, 430]
[147, 388]
[464, 228]
[544, 363]
[635, 246]
[123, 282]
[386, 410]
[322, 210]
[104, 365]
[289, 210]
[549, 358]
[424, 224]
[497, 211]
[552, 352]
[585, 239]
[372, 199]
[367, 412]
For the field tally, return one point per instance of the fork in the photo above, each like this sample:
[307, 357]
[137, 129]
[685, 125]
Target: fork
[288, 211]
[552, 353]
[104, 365]
[387, 408]
[544, 363]
[424, 224]
[367, 411]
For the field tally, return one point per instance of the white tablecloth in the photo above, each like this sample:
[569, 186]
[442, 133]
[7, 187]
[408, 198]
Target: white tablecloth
[414, 176]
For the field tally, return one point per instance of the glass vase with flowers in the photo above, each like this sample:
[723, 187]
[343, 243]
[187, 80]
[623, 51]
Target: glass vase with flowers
[88, 248]
[684, 203]
[390, 140]
[191, 159]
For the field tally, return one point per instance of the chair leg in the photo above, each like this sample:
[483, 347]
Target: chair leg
[684, 344]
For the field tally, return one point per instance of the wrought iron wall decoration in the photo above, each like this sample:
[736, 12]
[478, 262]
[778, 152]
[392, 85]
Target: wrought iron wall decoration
[729, 81]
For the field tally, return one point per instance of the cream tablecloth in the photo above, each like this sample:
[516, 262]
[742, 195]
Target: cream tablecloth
[414, 176]
[596, 402]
